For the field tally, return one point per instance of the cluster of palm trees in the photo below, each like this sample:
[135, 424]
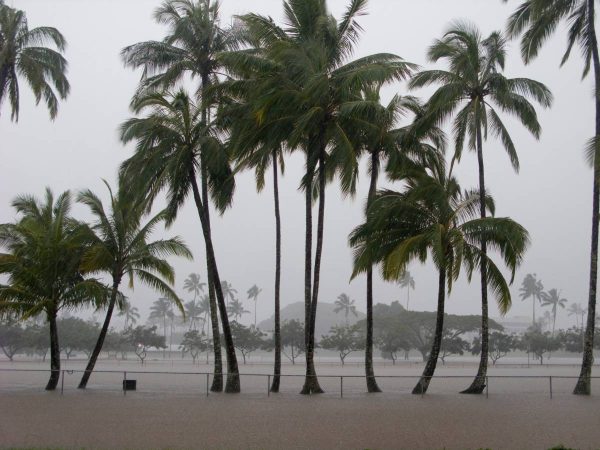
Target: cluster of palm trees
[260, 91]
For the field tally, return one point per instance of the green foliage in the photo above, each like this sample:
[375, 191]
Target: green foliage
[500, 344]
[539, 343]
[344, 339]
[292, 338]
[143, 338]
[12, 339]
[23, 54]
[246, 339]
[194, 343]
[76, 334]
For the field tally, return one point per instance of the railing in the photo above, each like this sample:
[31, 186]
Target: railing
[206, 375]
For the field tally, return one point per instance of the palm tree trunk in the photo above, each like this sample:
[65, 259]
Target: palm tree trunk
[54, 351]
[583, 386]
[100, 342]
[233, 377]
[369, 372]
[311, 382]
[277, 368]
[217, 382]
[478, 384]
[429, 370]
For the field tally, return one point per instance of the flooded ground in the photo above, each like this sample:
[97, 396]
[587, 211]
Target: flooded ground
[173, 411]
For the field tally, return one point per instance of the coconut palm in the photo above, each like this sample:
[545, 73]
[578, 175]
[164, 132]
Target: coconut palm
[171, 150]
[552, 298]
[159, 310]
[193, 313]
[190, 48]
[204, 307]
[537, 20]
[531, 287]
[310, 57]
[121, 249]
[576, 310]
[345, 305]
[253, 294]
[43, 263]
[473, 91]
[193, 284]
[408, 282]
[434, 217]
[236, 309]
[130, 312]
[228, 291]
[23, 55]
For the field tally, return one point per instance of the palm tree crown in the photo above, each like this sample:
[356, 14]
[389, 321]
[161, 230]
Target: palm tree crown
[23, 54]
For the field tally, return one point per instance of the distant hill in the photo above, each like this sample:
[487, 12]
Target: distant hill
[326, 318]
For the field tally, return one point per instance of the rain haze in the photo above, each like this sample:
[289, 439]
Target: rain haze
[551, 196]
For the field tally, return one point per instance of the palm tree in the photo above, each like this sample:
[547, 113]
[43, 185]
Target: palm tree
[160, 311]
[253, 294]
[121, 249]
[408, 282]
[131, 313]
[552, 298]
[576, 310]
[434, 216]
[236, 309]
[23, 54]
[538, 19]
[204, 307]
[190, 48]
[43, 260]
[193, 312]
[474, 83]
[532, 287]
[309, 58]
[170, 147]
[193, 284]
[228, 291]
[343, 303]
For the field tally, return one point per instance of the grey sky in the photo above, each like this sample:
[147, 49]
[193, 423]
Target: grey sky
[551, 196]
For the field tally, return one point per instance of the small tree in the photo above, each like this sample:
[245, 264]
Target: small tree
[246, 339]
[452, 344]
[77, 335]
[143, 338]
[37, 340]
[292, 338]
[344, 339]
[194, 343]
[539, 343]
[12, 339]
[501, 344]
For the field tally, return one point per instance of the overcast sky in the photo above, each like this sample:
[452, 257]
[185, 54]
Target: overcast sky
[551, 196]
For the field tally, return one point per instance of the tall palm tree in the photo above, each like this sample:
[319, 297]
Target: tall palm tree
[160, 310]
[23, 54]
[193, 313]
[576, 310]
[473, 90]
[130, 312]
[193, 284]
[311, 56]
[532, 287]
[236, 309]
[204, 306]
[190, 48]
[408, 282]
[552, 298]
[43, 263]
[228, 291]
[171, 149]
[120, 248]
[537, 20]
[345, 305]
[253, 293]
[434, 217]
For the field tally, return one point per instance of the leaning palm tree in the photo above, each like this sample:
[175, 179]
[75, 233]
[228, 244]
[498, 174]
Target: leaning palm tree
[552, 298]
[172, 147]
[531, 287]
[434, 217]
[537, 20]
[120, 248]
[23, 54]
[253, 293]
[43, 260]
[310, 58]
[345, 305]
[193, 284]
[473, 91]
[190, 48]
[408, 282]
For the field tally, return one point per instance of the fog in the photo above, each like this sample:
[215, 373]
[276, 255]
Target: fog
[551, 196]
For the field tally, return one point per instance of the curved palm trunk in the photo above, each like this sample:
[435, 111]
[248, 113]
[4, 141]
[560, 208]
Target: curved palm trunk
[429, 370]
[54, 351]
[583, 386]
[277, 367]
[369, 372]
[311, 382]
[100, 342]
[478, 384]
[233, 377]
